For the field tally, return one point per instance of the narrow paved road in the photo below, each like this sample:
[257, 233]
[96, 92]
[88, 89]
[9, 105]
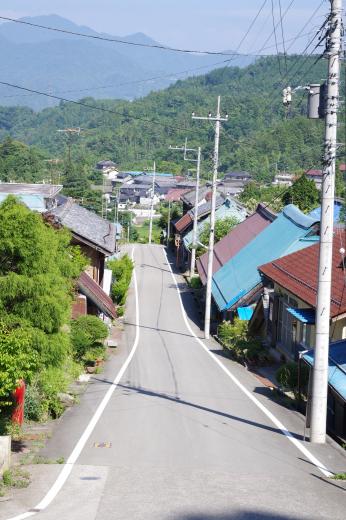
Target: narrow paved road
[185, 442]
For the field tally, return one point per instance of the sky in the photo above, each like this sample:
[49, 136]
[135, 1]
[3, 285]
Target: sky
[197, 24]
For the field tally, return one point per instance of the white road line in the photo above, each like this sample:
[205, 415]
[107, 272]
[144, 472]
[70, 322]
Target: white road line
[269, 414]
[68, 467]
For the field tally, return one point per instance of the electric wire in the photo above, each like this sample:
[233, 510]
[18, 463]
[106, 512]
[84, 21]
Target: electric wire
[118, 40]
[275, 38]
[283, 36]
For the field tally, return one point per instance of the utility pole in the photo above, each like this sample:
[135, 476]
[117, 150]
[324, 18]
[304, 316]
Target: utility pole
[69, 132]
[152, 204]
[218, 119]
[195, 212]
[320, 369]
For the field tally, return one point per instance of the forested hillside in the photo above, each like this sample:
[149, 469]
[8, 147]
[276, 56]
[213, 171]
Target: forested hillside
[259, 137]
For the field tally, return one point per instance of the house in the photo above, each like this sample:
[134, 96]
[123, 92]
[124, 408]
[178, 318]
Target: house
[292, 303]
[106, 166]
[336, 408]
[94, 235]
[188, 198]
[283, 179]
[96, 238]
[37, 197]
[230, 208]
[235, 240]
[185, 223]
[316, 176]
[238, 176]
[174, 194]
[238, 282]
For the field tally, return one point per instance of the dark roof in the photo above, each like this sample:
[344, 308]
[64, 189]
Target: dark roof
[237, 175]
[96, 294]
[203, 211]
[183, 222]
[314, 173]
[105, 163]
[86, 225]
[298, 273]
[17, 188]
[235, 240]
[189, 197]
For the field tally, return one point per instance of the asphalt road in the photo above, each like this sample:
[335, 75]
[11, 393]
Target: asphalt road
[181, 440]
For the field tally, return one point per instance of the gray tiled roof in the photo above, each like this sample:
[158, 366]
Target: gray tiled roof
[19, 188]
[87, 225]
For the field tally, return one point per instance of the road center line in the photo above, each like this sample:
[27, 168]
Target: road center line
[68, 466]
[249, 394]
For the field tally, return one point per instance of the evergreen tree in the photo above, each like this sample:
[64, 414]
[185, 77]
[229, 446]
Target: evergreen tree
[303, 193]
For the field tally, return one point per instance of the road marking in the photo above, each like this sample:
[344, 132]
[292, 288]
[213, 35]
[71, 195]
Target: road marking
[68, 467]
[269, 414]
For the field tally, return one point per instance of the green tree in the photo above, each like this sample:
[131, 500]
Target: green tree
[38, 269]
[222, 227]
[303, 193]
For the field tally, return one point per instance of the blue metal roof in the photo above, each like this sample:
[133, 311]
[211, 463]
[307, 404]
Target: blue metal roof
[316, 213]
[35, 202]
[337, 366]
[230, 208]
[240, 274]
[245, 313]
[303, 315]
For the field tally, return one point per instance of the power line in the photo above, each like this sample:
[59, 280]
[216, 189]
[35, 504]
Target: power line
[274, 31]
[117, 40]
[283, 36]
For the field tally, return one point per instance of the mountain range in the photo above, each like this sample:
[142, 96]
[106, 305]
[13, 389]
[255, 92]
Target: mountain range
[74, 66]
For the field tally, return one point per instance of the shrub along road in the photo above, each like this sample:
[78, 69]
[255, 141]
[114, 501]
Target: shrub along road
[179, 439]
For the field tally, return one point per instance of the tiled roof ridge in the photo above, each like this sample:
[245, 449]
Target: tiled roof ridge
[302, 282]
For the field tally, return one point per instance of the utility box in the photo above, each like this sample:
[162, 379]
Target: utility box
[314, 102]
[322, 109]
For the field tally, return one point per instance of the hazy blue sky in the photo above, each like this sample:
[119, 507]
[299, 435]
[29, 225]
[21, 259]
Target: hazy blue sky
[211, 24]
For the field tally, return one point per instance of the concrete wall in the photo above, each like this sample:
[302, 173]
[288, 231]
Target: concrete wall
[5, 453]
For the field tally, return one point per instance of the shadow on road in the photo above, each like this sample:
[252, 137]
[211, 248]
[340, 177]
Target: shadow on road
[239, 515]
[178, 400]
[157, 329]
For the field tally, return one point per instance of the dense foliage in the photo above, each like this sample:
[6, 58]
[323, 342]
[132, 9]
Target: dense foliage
[303, 193]
[122, 272]
[261, 135]
[38, 268]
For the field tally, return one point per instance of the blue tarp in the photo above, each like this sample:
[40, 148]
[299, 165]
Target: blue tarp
[303, 315]
[245, 313]
[240, 275]
[316, 213]
[337, 366]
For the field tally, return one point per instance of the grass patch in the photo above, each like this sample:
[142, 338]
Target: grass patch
[339, 476]
[16, 477]
[143, 232]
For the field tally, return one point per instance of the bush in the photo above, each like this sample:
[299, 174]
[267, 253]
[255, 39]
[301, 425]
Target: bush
[50, 382]
[195, 282]
[87, 332]
[122, 273]
[33, 406]
[234, 337]
[287, 376]
[93, 355]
